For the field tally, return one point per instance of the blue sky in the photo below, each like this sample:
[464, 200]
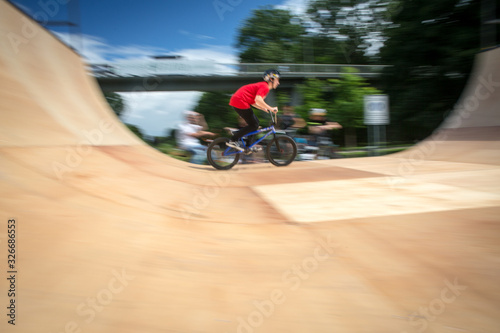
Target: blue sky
[109, 30]
[166, 24]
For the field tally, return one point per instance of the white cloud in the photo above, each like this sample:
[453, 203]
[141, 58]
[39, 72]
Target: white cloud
[155, 113]
[296, 7]
[299, 9]
[217, 53]
[195, 36]
[96, 50]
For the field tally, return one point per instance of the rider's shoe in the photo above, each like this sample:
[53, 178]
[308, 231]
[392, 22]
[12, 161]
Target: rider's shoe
[235, 145]
[256, 149]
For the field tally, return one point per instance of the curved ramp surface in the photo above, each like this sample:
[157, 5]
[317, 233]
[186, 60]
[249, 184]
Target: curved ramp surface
[112, 236]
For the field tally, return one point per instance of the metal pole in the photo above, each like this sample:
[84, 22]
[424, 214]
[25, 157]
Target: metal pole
[384, 136]
[377, 139]
[370, 139]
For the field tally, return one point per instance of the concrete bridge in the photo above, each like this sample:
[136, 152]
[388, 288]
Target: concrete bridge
[183, 75]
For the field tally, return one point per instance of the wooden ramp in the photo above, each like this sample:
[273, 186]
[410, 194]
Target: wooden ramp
[112, 236]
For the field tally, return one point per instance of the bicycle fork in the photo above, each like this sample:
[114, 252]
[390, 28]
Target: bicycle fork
[277, 142]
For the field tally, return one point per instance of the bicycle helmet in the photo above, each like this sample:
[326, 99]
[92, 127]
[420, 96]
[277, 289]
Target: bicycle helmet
[271, 74]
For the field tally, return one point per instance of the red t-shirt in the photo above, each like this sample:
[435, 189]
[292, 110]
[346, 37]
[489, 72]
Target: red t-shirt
[244, 97]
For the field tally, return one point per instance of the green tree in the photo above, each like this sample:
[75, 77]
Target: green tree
[116, 102]
[316, 94]
[348, 103]
[276, 36]
[283, 98]
[342, 98]
[431, 45]
[271, 35]
[214, 106]
[351, 26]
[136, 130]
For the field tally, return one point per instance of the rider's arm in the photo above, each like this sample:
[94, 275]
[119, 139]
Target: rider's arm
[260, 104]
[199, 133]
[202, 122]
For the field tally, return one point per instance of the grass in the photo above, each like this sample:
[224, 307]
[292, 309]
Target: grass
[174, 152]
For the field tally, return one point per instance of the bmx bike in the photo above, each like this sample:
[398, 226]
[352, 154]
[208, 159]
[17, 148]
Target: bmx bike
[280, 151]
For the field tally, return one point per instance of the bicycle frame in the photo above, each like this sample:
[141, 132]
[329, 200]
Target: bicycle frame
[270, 130]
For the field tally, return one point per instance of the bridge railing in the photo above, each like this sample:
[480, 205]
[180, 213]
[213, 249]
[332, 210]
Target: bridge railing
[308, 69]
[210, 68]
[147, 68]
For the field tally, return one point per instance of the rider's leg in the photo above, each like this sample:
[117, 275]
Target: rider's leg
[252, 124]
[198, 153]
[199, 156]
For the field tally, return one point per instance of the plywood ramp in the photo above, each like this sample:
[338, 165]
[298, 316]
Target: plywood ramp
[112, 236]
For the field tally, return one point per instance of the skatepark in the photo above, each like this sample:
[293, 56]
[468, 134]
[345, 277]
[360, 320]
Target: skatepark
[113, 236]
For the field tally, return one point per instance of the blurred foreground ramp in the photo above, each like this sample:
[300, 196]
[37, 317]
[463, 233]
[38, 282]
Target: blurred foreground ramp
[112, 236]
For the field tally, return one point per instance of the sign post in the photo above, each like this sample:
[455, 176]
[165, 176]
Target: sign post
[376, 117]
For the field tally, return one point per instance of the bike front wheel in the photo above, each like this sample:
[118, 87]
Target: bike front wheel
[281, 151]
[220, 156]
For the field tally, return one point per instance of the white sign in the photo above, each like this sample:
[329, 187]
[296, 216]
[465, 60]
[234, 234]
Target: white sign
[376, 110]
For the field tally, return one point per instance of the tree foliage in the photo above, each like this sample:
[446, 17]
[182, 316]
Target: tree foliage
[116, 102]
[276, 36]
[342, 98]
[431, 46]
[351, 25]
[136, 130]
[214, 106]
[118, 105]
[270, 35]
[348, 103]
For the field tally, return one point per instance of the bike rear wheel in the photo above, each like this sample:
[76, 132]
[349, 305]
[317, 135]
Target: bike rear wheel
[220, 156]
[281, 151]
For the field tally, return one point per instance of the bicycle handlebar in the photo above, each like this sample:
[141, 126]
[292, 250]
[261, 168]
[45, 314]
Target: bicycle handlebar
[272, 115]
